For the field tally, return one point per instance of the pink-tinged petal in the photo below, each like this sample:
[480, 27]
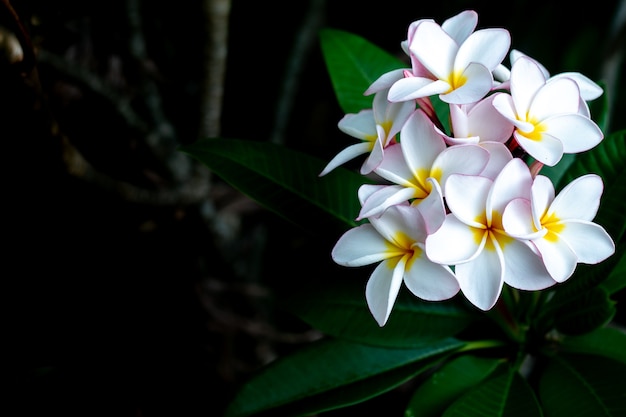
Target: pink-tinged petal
[580, 199]
[382, 288]
[435, 49]
[590, 241]
[454, 242]
[481, 279]
[503, 103]
[514, 181]
[466, 197]
[577, 133]
[526, 79]
[385, 81]
[557, 97]
[542, 195]
[360, 246]
[517, 220]
[499, 156]
[523, 269]
[394, 168]
[460, 26]
[460, 120]
[486, 46]
[432, 207]
[478, 84]
[421, 144]
[548, 150]
[346, 155]
[360, 125]
[416, 87]
[430, 281]
[459, 159]
[487, 122]
[405, 219]
[589, 90]
[381, 200]
[366, 190]
[558, 257]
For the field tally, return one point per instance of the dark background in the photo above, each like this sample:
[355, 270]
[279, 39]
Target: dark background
[138, 284]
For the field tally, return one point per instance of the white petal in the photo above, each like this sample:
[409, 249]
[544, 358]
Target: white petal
[577, 132]
[479, 82]
[558, 257]
[420, 142]
[466, 197]
[542, 193]
[394, 168]
[416, 87]
[384, 198]
[360, 125]
[385, 81]
[517, 220]
[523, 269]
[430, 281]
[432, 207]
[460, 26]
[382, 289]
[526, 79]
[346, 155]
[548, 150]
[486, 46]
[590, 241]
[374, 159]
[460, 159]
[464, 248]
[367, 190]
[359, 246]
[580, 199]
[435, 49]
[481, 279]
[589, 90]
[557, 97]
[505, 106]
[406, 220]
[514, 181]
[499, 156]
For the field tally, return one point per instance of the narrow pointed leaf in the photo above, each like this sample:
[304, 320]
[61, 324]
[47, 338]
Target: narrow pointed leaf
[341, 311]
[506, 394]
[283, 180]
[606, 341]
[353, 64]
[332, 373]
[448, 383]
[575, 385]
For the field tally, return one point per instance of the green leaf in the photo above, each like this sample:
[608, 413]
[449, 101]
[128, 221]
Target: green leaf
[353, 64]
[341, 311]
[283, 180]
[332, 373]
[576, 385]
[589, 311]
[448, 383]
[605, 341]
[506, 394]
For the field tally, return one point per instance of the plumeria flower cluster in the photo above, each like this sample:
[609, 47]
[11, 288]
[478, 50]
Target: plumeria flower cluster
[466, 209]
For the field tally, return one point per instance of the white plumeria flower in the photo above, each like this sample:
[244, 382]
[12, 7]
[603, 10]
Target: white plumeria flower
[473, 239]
[589, 90]
[460, 66]
[396, 240]
[459, 27]
[417, 166]
[480, 123]
[561, 228]
[376, 127]
[546, 114]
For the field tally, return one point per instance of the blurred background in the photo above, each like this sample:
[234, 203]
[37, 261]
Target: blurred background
[138, 283]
